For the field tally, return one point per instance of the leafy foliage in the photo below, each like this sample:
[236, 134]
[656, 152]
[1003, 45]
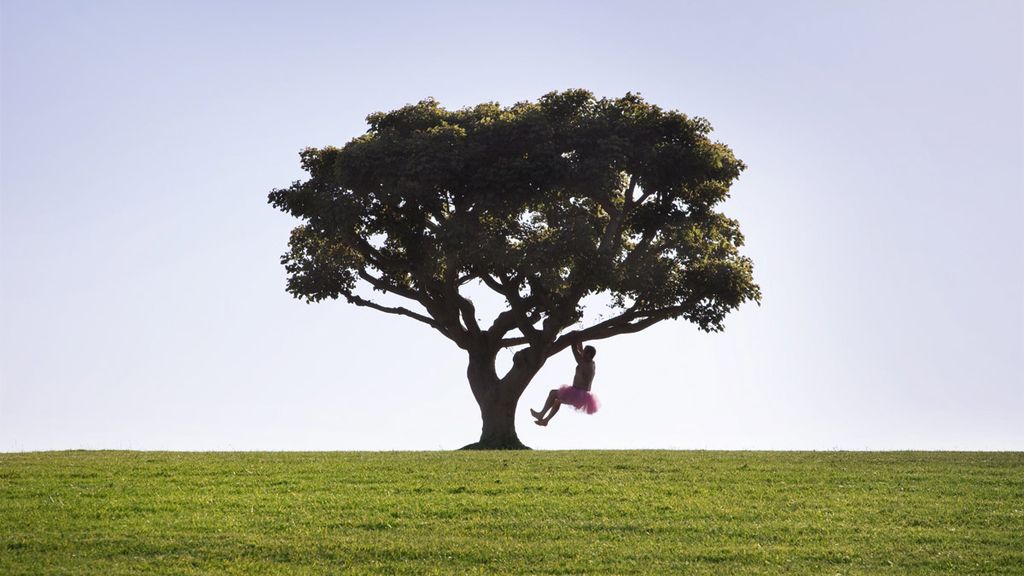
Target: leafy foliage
[545, 202]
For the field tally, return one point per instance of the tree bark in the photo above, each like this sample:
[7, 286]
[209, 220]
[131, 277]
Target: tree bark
[498, 400]
[499, 425]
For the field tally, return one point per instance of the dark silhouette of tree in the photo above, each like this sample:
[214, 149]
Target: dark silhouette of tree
[544, 203]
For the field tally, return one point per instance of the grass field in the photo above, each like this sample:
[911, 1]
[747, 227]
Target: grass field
[512, 513]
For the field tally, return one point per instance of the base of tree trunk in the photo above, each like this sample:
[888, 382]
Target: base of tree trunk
[511, 445]
[498, 416]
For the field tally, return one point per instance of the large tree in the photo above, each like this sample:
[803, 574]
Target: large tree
[544, 203]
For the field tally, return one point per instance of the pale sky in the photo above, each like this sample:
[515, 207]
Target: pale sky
[143, 304]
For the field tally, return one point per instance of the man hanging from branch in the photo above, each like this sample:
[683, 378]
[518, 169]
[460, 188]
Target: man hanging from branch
[578, 395]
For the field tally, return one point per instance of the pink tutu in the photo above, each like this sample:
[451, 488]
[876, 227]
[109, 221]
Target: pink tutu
[578, 398]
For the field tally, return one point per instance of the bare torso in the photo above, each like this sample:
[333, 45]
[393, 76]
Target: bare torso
[584, 375]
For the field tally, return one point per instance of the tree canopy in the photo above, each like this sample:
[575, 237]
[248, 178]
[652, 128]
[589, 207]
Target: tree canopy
[544, 202]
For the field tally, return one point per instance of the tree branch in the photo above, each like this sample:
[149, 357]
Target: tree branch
[440, 318]
[643, 249]
[517, 315]
[626, 323]
[456, 302]
[509, 342]
[468, 313]
[360, 301]
[505, 322]
[493, 284]
[628, 203]
[502, 324]
[384, 286]
[611, 237]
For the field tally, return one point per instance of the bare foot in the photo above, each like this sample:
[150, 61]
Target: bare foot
[535, 414]
[540, 422]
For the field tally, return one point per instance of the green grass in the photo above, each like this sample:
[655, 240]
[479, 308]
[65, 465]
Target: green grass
[512, 513]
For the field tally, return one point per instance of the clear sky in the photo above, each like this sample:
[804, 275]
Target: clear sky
[143, 304]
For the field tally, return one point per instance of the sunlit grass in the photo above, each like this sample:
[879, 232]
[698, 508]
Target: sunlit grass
[512, 513]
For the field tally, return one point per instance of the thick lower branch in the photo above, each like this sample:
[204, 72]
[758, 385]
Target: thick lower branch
[626, 323]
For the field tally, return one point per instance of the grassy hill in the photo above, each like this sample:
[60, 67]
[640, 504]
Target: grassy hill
[512, 513]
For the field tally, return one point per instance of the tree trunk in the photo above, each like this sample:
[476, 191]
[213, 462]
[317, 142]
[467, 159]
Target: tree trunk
[498, 400]
[499, 426]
